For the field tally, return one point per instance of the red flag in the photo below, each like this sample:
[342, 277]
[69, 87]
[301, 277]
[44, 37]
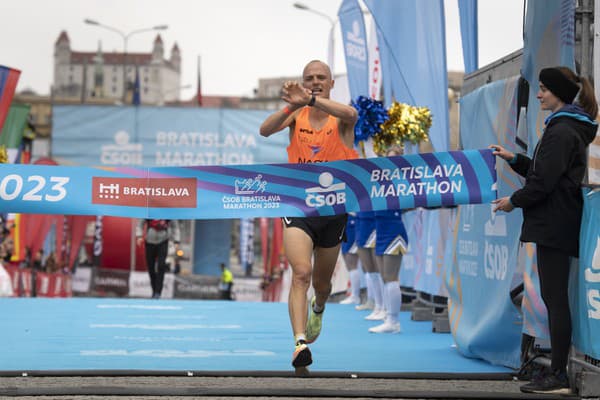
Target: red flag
[199, 88]
[8, 84]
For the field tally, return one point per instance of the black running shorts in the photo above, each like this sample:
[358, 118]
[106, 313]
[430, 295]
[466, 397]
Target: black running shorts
[325, 232]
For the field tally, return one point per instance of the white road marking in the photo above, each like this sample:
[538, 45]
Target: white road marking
[140, 306]
[170, 327]
[177, 353]
[148, 339]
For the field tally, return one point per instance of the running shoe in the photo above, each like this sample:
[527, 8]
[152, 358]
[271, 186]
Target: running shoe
[302, 356]
[313, 325]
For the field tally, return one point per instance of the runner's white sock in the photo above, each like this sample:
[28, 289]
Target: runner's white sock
[394, 296]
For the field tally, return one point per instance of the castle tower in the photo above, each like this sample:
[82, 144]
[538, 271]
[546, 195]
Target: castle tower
[62, 49]
[176, 57]
[158, 50]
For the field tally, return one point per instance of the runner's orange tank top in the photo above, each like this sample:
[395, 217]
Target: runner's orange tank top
[309, 145]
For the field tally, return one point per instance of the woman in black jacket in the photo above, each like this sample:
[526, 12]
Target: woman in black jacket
[552, 203]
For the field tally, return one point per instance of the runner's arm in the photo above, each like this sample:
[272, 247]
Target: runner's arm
[278, 120]
[299, 96]
[346, 114]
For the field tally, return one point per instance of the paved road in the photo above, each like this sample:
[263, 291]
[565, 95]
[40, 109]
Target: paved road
[179, 387]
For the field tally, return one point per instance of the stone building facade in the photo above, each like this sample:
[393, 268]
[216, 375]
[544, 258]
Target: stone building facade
[112, 75]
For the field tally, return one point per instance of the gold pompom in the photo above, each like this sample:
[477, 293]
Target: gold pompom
[3, 155]
[405, 123]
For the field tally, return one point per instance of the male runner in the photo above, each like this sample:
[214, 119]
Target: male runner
[320, 130]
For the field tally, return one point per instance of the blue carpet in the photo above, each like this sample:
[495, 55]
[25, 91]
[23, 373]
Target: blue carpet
[191, 335]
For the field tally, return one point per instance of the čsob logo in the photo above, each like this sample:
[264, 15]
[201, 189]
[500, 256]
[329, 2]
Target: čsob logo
[122, 152]
[355, 45]
[328, 194]
[495, 255]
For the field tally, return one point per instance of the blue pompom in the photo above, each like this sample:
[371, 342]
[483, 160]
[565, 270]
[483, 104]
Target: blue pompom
[371, 114]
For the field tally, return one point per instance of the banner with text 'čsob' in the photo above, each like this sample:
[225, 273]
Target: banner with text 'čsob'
[120, 136]
[485, 323]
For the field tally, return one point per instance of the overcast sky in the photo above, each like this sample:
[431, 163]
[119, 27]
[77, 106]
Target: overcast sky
[239, 41]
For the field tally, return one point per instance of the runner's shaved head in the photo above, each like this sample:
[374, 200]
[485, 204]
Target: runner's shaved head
[319, 62]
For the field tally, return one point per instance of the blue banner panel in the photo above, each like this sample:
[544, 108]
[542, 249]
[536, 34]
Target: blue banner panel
[484, 321]
[412, 42]
[467, 10]
[268, 190]
[162, 136]
[585, 289]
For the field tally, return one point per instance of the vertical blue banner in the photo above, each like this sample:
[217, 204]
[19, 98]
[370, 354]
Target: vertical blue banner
[486, 244]
[415, 39]
[388, 17]
[484, 322]
[354, 37]
[467, 10]
[585, 284]
[549, 41]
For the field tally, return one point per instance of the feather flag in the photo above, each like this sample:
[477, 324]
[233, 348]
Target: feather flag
[8, 83]
[11, 134]
[354, 37]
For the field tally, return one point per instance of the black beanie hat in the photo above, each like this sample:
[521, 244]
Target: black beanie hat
[561, 86]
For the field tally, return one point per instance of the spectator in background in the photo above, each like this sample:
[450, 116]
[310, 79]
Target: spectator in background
[7, 245]
[51, 265]
[158, 232]
[38, 260]
[247, 244]
[226, 284]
